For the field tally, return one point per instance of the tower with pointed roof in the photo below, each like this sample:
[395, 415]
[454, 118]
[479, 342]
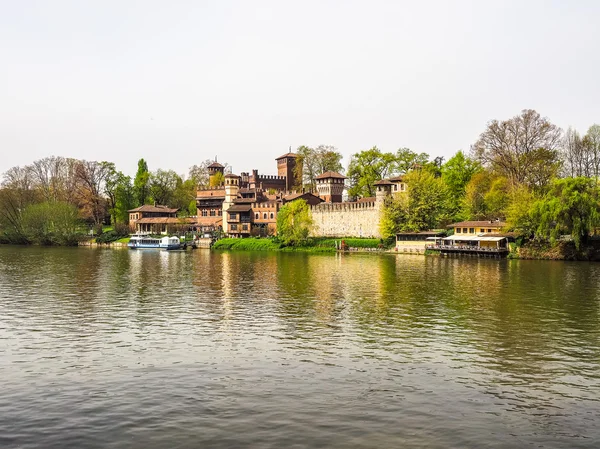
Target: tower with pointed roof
[286, 165]
[330, 186]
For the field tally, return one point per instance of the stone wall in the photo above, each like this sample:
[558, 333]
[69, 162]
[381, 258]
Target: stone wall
[346, 219]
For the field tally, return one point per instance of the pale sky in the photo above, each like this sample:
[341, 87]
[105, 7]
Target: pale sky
[179, 82]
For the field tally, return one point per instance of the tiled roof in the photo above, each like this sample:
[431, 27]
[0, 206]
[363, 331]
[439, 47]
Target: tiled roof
[397, 179]
[151, 208]
[216, 165]
[330, 174]
[383, 182]
[294, 155]
[240, 208]
[165, 220]
[478, 224]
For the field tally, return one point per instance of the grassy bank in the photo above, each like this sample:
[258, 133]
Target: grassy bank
[315, 245]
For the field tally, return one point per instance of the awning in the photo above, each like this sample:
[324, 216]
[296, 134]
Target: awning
[473, 238]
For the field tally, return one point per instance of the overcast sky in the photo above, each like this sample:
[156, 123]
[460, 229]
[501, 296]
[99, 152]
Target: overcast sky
[180, 82]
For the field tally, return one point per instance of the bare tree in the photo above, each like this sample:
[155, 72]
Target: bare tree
[524, 148]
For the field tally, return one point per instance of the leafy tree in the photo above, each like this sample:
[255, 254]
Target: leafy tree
[312, 162]
[51, 222]
[572, 205]
[141, 183]
[162, 186]
[184, 197]
[368, 167]
[424, 207]
[91, 177]
[406, 160]
[456, 174]
[294, 223]
[524, 149]
[124, 198]
[519, 211]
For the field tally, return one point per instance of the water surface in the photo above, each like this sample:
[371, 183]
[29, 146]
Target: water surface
[148, 349]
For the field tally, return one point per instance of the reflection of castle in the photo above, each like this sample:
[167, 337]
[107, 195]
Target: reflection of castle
[248, 204]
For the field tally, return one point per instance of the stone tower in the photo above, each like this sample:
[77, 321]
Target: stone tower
[384, 190]
[285, 167]
[213, 169]
[330, 186]
[232, 187]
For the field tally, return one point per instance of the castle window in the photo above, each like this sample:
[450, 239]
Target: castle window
[272, 215]
[233, 216]
[212, 213]
[234, 227]
[204, 213]
[256, 216]
[265, 216]
[220, 212]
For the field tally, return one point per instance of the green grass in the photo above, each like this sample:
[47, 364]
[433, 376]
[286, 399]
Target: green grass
[249, 244]
[315, 245]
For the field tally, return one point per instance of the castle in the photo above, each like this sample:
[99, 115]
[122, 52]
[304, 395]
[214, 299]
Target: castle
[247, 205]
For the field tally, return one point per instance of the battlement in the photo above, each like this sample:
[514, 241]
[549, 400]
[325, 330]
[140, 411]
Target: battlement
[206, 189]
[270, 178]
[343, 207]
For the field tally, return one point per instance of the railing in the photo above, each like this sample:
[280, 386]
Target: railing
[471, 248]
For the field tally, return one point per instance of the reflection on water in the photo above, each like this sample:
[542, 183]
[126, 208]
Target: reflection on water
[117, 348]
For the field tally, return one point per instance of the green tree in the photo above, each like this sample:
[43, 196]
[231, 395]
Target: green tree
[572, 205]
[124, 198]
[456, 174]
[519, 211]
[294, 223]
[312, 162]
[424, 207]
[217, 180]
[368, 167]
[163, 184]
[141, 183]
[51, 223]
[407, 160]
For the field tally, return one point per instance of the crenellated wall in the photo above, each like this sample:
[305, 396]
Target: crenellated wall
[347, 219]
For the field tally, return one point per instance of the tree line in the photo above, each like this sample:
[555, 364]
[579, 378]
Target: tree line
[525, 170]
[55, 200]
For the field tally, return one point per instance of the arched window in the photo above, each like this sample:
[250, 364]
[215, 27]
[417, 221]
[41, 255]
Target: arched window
[272, 215]
[265, 216]
[256, 216]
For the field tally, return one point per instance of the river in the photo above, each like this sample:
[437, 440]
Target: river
[104, 348]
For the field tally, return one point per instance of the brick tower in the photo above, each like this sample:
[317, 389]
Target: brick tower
[213, 169]
[285, 167]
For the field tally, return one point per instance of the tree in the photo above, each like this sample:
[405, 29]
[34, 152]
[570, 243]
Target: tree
[593, 139]
[311, 162]
[184, 197]
[91, 177]
[406, 160]
[424, 207]
[217, 180]
[572, 205]
[456, 174]
[294, 223]
[162, 185]
[199, 173]
[51, 222]
[140, 183]
[368, 167]
[524, 149]
[519, 211]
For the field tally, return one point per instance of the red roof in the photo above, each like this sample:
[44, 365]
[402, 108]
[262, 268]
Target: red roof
[294, 155]
[151, 208]
[216, 165]
[330, 174]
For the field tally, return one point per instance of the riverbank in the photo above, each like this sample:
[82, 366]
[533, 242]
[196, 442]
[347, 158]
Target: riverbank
[315, 245]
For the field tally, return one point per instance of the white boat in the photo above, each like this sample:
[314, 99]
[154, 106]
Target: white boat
[146, 242]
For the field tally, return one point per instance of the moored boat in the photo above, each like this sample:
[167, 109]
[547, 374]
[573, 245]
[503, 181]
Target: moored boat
[146, 242]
